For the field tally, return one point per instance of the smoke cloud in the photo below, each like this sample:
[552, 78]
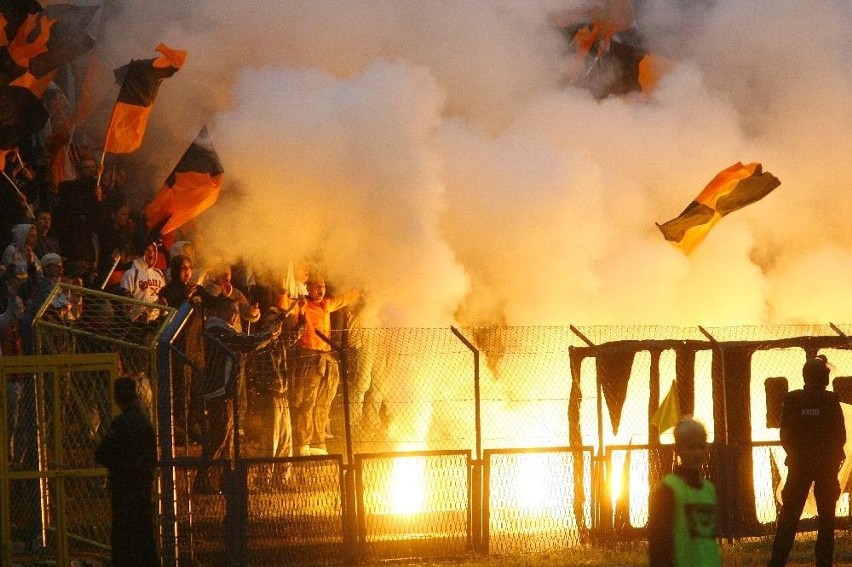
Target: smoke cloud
[432, 153]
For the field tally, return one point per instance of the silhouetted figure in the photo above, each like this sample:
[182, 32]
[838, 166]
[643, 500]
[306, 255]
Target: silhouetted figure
[813, 435]
[129, 452]
[682, 519]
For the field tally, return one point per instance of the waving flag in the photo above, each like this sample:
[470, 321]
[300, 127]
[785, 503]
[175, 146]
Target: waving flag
[732, 189]
[69, 36]
[140, 81]
[35, 42]
[668, 414]
[39, 42]
[191, 189]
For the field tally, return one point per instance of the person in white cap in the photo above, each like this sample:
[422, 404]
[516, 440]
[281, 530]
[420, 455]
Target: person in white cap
[51, 265]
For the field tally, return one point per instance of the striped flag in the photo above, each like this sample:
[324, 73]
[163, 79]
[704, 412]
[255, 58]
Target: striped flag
[42, 42]
[140, 81]
[191, 189]
[69, 36]
[732, 189]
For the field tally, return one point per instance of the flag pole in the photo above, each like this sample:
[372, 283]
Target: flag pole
[17, 190]
[115, 260]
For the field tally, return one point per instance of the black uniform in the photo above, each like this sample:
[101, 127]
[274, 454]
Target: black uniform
[813, 435]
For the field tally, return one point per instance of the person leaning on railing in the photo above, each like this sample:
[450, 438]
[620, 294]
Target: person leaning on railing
[223, 344]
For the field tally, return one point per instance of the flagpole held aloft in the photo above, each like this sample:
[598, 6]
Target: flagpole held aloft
[23, 197]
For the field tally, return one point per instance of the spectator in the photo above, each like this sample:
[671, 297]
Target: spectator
[44, 242]
[682, 520]
[813, 435]
[81, 214]
[222, 286]
[51, 268]
[183, 248]
[58, 133]
[53, 273]
[276, 439]
[114, 237]
[143, 282]
[223, 344]
[129, 452]
[11, 309]
[315, 372]
[180, 289]
[20, 254]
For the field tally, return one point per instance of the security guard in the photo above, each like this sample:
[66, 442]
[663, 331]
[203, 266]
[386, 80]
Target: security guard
[813, 435]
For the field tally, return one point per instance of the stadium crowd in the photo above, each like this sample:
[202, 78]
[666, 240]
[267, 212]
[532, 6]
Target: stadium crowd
[76, 226]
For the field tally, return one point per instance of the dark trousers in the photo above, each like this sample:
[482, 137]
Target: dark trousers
[793, 496]
[313, 387]
[218, 442]
[133, 539]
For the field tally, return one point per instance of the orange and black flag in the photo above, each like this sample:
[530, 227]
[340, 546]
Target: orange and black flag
[140, 80]
[25, 35]
[732, 189]
[35, 42]
[192, 188]
[70, 36]
[39, 41]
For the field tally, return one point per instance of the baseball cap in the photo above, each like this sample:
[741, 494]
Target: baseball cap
[50, 259]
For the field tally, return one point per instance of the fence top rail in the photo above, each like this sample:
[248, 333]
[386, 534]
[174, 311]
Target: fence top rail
[522, 450]
[104, 317]
[413, 454]
[44, 362]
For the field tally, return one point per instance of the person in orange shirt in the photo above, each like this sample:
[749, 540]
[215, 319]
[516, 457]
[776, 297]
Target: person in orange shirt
[315, 372]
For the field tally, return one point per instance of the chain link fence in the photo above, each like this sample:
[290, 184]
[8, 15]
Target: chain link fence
[56, 405]
[509, 439]
[54, 503]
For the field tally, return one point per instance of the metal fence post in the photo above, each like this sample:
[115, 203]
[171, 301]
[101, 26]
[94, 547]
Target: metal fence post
[600, 501]
[477, 465]
[168, 496]
[350, 539]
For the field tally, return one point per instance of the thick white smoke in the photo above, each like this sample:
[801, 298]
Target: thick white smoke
[431, 153]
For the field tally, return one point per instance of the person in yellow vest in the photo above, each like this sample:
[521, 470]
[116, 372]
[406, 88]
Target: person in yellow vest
[682, 518]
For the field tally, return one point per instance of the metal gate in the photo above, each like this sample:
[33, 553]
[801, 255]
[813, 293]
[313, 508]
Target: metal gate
[53, 501]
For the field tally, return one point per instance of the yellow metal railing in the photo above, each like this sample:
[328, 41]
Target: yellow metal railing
[40, 492]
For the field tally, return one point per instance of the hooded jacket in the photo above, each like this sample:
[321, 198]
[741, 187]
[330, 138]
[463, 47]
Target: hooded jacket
[16, 254]
[144, 284]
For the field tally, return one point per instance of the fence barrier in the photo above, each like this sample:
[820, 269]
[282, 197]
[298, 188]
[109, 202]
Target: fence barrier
[498, 440]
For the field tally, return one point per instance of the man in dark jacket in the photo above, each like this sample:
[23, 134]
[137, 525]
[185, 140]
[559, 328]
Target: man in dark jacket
[129, 452]
[813, 435]
[224, 347]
